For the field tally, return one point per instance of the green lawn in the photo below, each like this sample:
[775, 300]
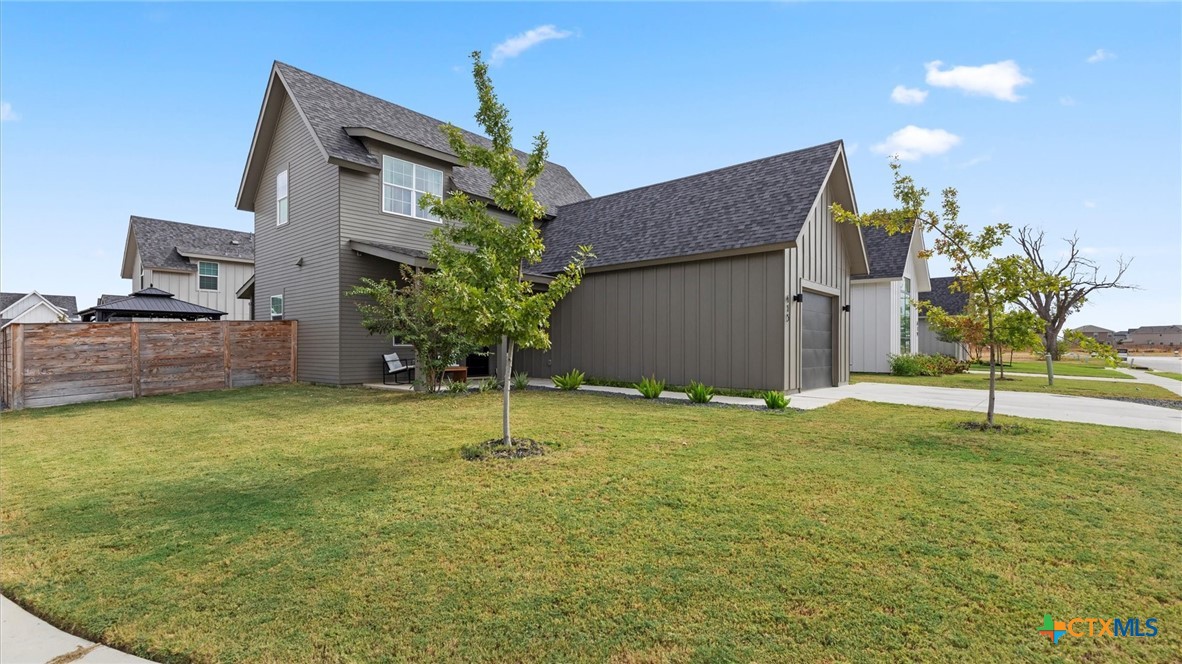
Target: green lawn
[1167, 374]
[304, 524]
[1078, 388]
[1062, 368]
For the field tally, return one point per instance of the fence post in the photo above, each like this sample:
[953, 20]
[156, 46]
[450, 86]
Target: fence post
[18, 366]
[294, 329]
[226, 354]
[135, 359]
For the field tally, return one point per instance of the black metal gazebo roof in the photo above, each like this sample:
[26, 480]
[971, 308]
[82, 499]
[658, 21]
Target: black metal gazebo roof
[150, 303]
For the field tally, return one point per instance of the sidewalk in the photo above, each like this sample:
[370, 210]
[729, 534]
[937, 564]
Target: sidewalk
[1056, 407]
[26, 639]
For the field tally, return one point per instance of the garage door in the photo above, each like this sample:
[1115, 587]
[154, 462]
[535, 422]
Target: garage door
[816, 344]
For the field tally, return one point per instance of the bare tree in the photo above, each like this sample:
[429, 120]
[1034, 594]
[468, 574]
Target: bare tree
[1078, 277]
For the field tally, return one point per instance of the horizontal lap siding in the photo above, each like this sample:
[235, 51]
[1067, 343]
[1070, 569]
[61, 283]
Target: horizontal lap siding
[718, 321]
[311, 291]
[62, 363]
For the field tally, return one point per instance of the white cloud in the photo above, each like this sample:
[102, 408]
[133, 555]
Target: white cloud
[7, 114]
[1067, 101]
[904, 95]
[515, 46]
[911, 143]
[1100, 56]
[1089, 204]
[979, 159]
[998, 80]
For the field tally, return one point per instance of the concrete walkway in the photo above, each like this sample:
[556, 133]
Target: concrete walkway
[1057, 407]
[26, 639]
[1012, 374]
[1170, 384]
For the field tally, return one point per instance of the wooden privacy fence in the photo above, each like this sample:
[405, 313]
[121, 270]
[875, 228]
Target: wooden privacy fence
[49, 364]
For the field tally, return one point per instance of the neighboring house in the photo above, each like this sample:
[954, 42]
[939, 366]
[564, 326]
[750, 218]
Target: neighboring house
[1101, 334]
[37, 308]
[884, 320]
[953, 303]
[202, 265]
[1168, 336]
[1120, 337]
[147, 304]
[736, 277]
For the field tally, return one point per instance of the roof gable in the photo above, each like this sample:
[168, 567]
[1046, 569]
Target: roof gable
[337, 116]
[66, 304]
[164, 245]
[758, 203]
[941, 296]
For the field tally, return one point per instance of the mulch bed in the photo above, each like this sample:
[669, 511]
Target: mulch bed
[495, 448]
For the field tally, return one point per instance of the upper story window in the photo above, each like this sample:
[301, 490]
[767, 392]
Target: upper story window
[276, 307]
[207, 276]
[281, 198]
[403, 183]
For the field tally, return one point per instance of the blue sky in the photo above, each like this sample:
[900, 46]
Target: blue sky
[1063, 116]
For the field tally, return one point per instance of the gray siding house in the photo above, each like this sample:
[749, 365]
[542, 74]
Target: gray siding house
[883, 318]
[736, 277]
[954, 303]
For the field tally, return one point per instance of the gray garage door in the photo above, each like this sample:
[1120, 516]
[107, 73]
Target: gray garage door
[816, 344]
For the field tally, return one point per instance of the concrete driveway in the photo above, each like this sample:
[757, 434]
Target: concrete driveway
[1158, 362]
[27, 639]
[1021, 404]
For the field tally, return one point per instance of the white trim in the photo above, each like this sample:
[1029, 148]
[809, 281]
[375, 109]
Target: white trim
[819, 289]
[217, 277]
[415, 193]
[282, 309]
[40, 297]
[206, 257]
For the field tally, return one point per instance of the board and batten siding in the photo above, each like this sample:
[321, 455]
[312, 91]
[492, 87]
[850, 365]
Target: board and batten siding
[818, 263]
[872, 322]
[931, 344]
[719, 321]
[184, 285]
[312, 291]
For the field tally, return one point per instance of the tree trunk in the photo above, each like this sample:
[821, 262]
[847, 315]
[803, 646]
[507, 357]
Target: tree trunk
[1051, 338]
[506, 372]
[1001, 361]
[992, 372]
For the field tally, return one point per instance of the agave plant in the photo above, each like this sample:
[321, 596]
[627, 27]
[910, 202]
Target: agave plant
[570, 380]
[699, 392]
[650, 388]
[775, 400]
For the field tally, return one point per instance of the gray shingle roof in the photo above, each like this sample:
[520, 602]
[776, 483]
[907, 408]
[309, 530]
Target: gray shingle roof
[330, 107]
[106, 298]
[940, 296]
[887, 253]
[158, 241]
[757, 203]
[1151, 329]
[68, 303]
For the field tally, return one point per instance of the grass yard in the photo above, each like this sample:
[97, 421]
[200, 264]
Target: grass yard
[1062, 368]
[305, 524]
[1167, 374]
[1078, 388]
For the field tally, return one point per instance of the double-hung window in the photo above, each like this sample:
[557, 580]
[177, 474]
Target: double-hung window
[281, 198]
[207, 276]
[276, 307]
[403, 183]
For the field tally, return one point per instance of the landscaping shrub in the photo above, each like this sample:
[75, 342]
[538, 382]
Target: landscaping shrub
[650, 388]
[699, 393]
[456, 386]
[919, 364]
[570, 380]
[775, 400]
[520, 380]
[490, 384]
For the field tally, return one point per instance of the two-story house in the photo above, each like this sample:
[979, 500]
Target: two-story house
[883, 317]
[201, 265]
[737, 277]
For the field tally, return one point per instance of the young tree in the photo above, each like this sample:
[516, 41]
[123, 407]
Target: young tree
[1076, 278]
[969, 252]
[414, 314]
[1017, 330]
[481, 261]
[1102, 351]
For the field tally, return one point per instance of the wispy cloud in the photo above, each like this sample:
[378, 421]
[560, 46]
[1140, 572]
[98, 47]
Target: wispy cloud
[912, 143]
[1100, 56]
[1089, 204]
[979, 159]
[1067, 101]
[7, 114]
[515, 46]
[905, 95]
[999, 80]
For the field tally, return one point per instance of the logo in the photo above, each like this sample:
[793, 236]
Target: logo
[1097, 627]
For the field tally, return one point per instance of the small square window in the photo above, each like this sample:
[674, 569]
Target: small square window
[207, 276]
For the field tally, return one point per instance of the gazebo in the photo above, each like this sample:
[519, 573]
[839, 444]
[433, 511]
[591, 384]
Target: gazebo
[149, 303]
